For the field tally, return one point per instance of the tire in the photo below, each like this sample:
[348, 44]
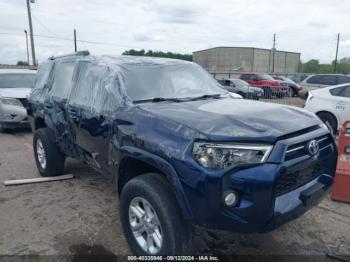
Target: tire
[51, 161]
[173, 230]
[330, 121]
[243, 95]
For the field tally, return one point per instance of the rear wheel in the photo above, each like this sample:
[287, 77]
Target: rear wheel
[48, 157]
[330, 121]
[242, 94]
[151, 218]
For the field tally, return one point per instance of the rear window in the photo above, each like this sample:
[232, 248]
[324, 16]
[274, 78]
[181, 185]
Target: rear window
[16, 80]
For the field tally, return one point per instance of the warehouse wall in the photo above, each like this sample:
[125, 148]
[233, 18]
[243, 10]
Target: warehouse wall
[230, 60]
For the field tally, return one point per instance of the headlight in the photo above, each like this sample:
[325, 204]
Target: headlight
[10, 101]
[223, 156]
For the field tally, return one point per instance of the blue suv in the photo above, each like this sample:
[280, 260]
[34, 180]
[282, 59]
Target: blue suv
[181, 150]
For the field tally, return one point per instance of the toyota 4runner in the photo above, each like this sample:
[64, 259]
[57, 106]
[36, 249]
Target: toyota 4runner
[181, 150]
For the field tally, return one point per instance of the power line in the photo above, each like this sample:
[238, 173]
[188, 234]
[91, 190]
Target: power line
[44, 26]
[81, 41]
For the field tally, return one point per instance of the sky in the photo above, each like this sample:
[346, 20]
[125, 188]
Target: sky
[183, 26]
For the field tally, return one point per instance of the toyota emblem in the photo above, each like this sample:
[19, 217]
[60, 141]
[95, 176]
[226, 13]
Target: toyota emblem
[313, 147]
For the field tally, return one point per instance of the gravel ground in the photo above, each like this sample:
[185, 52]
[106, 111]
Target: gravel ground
[81, 216]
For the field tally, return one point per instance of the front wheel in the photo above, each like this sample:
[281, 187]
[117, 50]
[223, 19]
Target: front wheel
[48, 157]
[151, 218]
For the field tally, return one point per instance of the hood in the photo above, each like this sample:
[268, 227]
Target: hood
[235, 119]
[21, 92]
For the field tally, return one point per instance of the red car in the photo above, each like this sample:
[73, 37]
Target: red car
[270, 86]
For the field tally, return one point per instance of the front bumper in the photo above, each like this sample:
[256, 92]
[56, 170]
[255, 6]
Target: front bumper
[12, 116]
[268, 196]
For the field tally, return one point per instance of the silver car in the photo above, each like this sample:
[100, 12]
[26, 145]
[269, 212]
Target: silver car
[242, 88]
[15, 86]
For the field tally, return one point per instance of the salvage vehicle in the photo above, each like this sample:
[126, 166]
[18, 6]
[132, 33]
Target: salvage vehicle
[270, 86]
[15, 86]
[331, 105]
[181, 150]
[242, 88]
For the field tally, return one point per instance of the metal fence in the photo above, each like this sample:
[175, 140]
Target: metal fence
[278, 95]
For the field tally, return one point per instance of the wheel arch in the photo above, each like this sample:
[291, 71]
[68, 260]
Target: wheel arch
[329, 113]
[136, 162]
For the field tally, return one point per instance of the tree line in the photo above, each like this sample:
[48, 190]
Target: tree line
[142, 52]
[314, 66]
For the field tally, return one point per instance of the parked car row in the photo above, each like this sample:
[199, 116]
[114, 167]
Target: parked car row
[242, 88]
[255, 86]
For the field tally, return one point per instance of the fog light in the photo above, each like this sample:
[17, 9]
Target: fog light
[230, 198]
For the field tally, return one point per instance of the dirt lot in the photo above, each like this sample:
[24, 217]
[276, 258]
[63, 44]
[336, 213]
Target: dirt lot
[80, 216]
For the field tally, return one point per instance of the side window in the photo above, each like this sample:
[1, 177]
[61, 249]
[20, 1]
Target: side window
[343, 79]
[245, 77]
[62, 83]
[95, 90]
[329, 80]
[346, 92]
[314, 79]
[221, 82]
[336, 91]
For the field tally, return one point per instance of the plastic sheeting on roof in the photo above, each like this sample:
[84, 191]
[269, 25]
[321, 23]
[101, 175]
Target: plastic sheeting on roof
[101, 85]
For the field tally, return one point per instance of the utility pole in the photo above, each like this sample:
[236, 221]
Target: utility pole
[75, 40]
[336, 55]
[31, 30]
[25, 31]
[273, 53]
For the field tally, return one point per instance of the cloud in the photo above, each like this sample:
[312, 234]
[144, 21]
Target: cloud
[345, 43]
[181, 26]
[317, 24]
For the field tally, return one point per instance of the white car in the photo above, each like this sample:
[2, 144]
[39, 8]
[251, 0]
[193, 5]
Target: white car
[15, 86]
[331, 104]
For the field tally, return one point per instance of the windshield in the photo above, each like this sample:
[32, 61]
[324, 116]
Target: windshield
[264, 77]
[16, 80]
[143, 82]
[286, 79]
[240, 83]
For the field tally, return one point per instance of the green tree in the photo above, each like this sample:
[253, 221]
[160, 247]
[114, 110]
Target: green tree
[22, 63]
[152, 53]
[311, 66]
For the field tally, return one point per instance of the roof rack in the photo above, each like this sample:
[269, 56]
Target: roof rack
[79, 53]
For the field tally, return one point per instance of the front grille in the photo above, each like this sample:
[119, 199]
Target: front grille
[290, 181]
[300, 149]
[297, 175]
